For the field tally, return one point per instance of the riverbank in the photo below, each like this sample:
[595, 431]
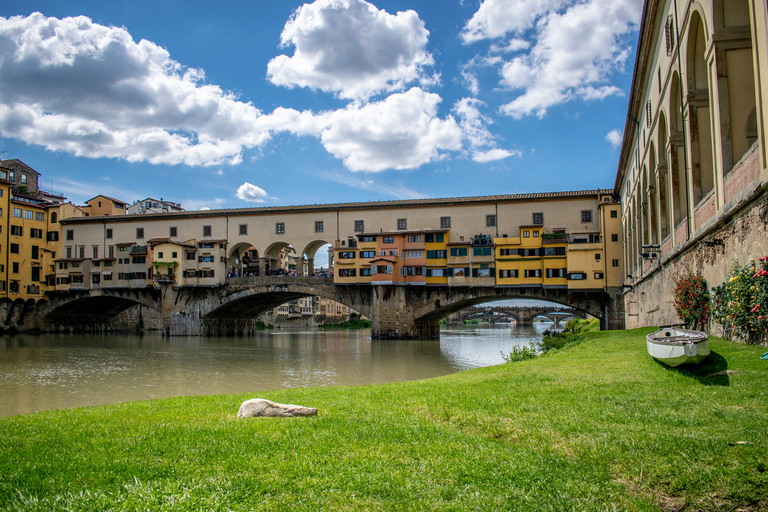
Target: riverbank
[592, 427]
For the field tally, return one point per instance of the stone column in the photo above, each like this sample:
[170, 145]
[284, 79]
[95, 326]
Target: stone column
[310, 266]
[613, 317]
[262, 267]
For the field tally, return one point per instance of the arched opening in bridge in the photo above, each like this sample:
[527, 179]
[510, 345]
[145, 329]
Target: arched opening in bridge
[243, 260]
[276, 304]
[319, 256]
[513, 312]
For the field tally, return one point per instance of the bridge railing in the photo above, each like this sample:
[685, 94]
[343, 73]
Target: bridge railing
[269, 280]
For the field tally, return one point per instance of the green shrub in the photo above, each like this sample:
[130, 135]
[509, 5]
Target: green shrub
[521, 353]
[577, 325]
[571, 335]
[741, 302]
[349, 324]
[692, 301]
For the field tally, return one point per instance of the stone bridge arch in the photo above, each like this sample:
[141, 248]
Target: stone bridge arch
[233, 310]
[88, 310]
[427, 307]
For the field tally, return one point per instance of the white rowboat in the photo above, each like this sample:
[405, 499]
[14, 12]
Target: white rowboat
[674, 346]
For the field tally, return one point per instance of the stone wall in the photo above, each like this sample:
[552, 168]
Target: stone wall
[744, 235]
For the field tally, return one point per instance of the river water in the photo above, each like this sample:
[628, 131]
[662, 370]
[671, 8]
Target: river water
[46, 372]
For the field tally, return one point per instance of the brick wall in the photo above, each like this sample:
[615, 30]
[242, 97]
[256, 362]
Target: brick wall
[745, 171]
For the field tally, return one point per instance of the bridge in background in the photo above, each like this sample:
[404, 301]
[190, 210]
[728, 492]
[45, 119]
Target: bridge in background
[522, 315]
[396, 312]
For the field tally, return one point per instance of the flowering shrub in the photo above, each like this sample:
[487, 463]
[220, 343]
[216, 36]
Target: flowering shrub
[692, 301]
[741, 303]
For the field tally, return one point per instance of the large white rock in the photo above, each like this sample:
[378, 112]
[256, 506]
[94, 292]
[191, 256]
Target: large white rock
[261, 407]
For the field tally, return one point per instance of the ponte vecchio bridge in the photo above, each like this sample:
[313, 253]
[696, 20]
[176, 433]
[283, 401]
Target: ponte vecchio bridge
[212, 301]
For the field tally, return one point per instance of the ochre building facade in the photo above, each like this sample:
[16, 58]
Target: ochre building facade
[692, 176]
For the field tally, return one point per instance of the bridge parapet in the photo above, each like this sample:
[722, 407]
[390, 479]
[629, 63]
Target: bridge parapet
[279, 280]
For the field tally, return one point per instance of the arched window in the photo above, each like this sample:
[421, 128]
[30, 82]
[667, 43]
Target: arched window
[677, 156]
[734, 62]
[702, 179]
[664, 181]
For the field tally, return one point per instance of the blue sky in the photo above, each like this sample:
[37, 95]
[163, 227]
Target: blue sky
[260, 103]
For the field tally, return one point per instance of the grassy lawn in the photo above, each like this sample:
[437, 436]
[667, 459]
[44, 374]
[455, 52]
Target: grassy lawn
[597, 426]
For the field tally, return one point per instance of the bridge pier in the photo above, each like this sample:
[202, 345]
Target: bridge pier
[392, 315]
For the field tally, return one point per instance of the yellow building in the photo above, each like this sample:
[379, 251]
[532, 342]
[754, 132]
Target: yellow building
[167, 260]
[26, 238]
[437, 257]
[5, 196]
[55, 213]
[104, 205]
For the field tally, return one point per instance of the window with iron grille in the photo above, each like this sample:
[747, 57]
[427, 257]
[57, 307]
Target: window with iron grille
[402, 223]
[648, 113]
[445, 223]
[173, 231]
[318, 226]
[586, 216]
[538, 218]
[207, 231]
[359, 226]
[490, 220]
[139, 233]
[243, 229]
[669, 35]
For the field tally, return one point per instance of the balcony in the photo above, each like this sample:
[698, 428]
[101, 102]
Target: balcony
[164, 278]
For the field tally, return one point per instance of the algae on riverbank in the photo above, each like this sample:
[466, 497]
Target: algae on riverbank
[348, 324]
[596, 426]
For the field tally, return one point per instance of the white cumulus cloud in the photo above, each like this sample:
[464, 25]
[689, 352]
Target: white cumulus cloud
[575, 47]
[481, 142]
[251, 193]
[74, 85]
[497, 18]
[399, 132]
[353, 49]
[615, 138]
[77, 86]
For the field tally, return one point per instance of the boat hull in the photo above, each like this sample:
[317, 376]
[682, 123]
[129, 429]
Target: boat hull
[675, 347]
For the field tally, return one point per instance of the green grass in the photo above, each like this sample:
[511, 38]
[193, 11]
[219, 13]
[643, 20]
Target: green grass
[596, 426]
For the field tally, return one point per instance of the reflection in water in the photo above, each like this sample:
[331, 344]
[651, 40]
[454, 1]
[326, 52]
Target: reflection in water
[47, 372]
